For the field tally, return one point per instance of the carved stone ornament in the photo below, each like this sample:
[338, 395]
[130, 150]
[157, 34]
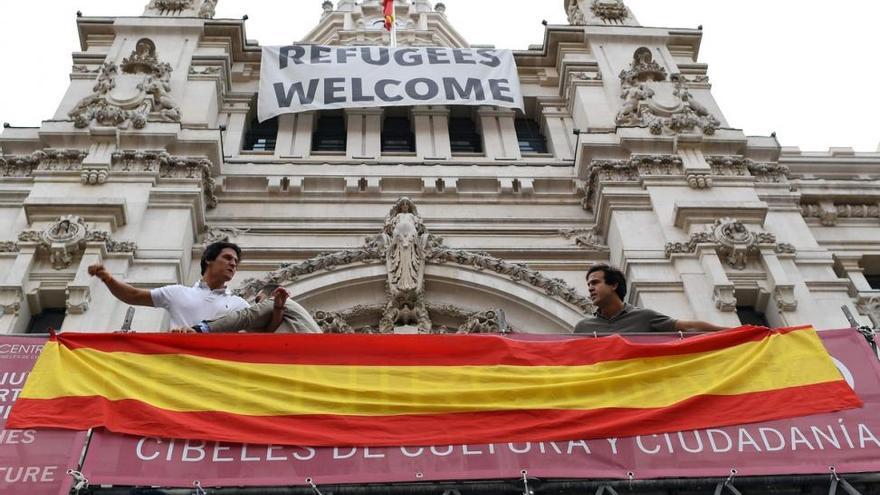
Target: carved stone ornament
[223, 234]
[576, 16]
[170, 5]
[208, 9]
[610, 11]
[131, 94]
[643, 68]
[67, 237]
[586, 238]
[828, 212]
[870, 306]
[724, 298]
[640, 108]
[733, 241]
[632, 170]
[327, 8]
[405, 247]
[737, 166]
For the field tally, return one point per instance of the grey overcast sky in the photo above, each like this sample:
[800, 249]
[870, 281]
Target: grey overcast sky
[806, 69]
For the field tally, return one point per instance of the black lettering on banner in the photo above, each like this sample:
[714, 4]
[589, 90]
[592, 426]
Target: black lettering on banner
[367, 55]
[433, 89]
[345, 53]
[305, 98]
[499, 87]
[435, 54]
[400, 56]
[357, 90]
[462, 56]
[382, 93]
[285, 54]
[321, 54]
[492, 60]
[332, 86]
[472, 87]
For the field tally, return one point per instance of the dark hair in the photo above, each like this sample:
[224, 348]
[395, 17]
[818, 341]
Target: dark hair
[612, 276]
[213, 250]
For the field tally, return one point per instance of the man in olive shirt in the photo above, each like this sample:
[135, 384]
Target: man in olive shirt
[607, 288]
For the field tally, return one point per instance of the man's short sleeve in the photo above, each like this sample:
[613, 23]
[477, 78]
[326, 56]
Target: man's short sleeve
[660, 322]
[162, 296]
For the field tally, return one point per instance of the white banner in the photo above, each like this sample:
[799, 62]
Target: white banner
[299, 78]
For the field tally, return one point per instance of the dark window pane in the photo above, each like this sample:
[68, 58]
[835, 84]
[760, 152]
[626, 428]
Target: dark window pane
[528, 133]
[397, 136]
[330, 134]
[261, 136]
[751, 316]
[463, 136]
[873, 281]
[49, 318]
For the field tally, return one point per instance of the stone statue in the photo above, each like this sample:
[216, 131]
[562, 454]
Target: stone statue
[406, 240]
[576, 15]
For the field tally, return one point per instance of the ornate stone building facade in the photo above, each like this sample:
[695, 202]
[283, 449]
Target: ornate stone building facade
[480, 219]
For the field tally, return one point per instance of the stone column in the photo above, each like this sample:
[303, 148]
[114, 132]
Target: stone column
[364, 133]
[295, 135]
[432, 132]
[499, 133]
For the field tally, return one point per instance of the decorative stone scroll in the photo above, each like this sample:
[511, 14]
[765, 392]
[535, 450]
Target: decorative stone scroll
[490, 321]
[586, 238]
[168, 167]
[733, 241]
[828, 213]
[223, 234]
[405, 247]
[130, 94]
[632, 170]
[67, 237]
[738, 166]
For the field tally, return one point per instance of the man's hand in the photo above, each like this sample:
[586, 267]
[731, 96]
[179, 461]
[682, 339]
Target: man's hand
[280, 296]
[182, 330]
[100, 271]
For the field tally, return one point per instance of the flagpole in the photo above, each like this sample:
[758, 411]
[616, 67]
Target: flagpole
[393, 26]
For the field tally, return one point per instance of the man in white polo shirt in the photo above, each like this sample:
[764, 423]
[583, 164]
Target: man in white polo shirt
[206, 300]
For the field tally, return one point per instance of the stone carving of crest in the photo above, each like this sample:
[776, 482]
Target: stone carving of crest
[67, 237]
[641, 106]
[733, 241]
[132, 93]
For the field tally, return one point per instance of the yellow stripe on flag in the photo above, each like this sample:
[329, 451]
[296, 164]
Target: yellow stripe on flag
[188, 383]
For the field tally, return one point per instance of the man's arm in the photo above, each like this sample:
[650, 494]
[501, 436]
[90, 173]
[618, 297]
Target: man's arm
[121, 290]
[280, 297]
[702, 326]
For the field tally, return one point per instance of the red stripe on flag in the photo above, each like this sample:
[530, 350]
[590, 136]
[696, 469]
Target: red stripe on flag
[409, 350]
[135, 417]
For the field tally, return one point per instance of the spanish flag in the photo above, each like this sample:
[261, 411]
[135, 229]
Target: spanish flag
[389, 14]
[385, 390]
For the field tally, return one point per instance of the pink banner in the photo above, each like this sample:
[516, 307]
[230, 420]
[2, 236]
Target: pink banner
[849, 441]
[31, 461]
